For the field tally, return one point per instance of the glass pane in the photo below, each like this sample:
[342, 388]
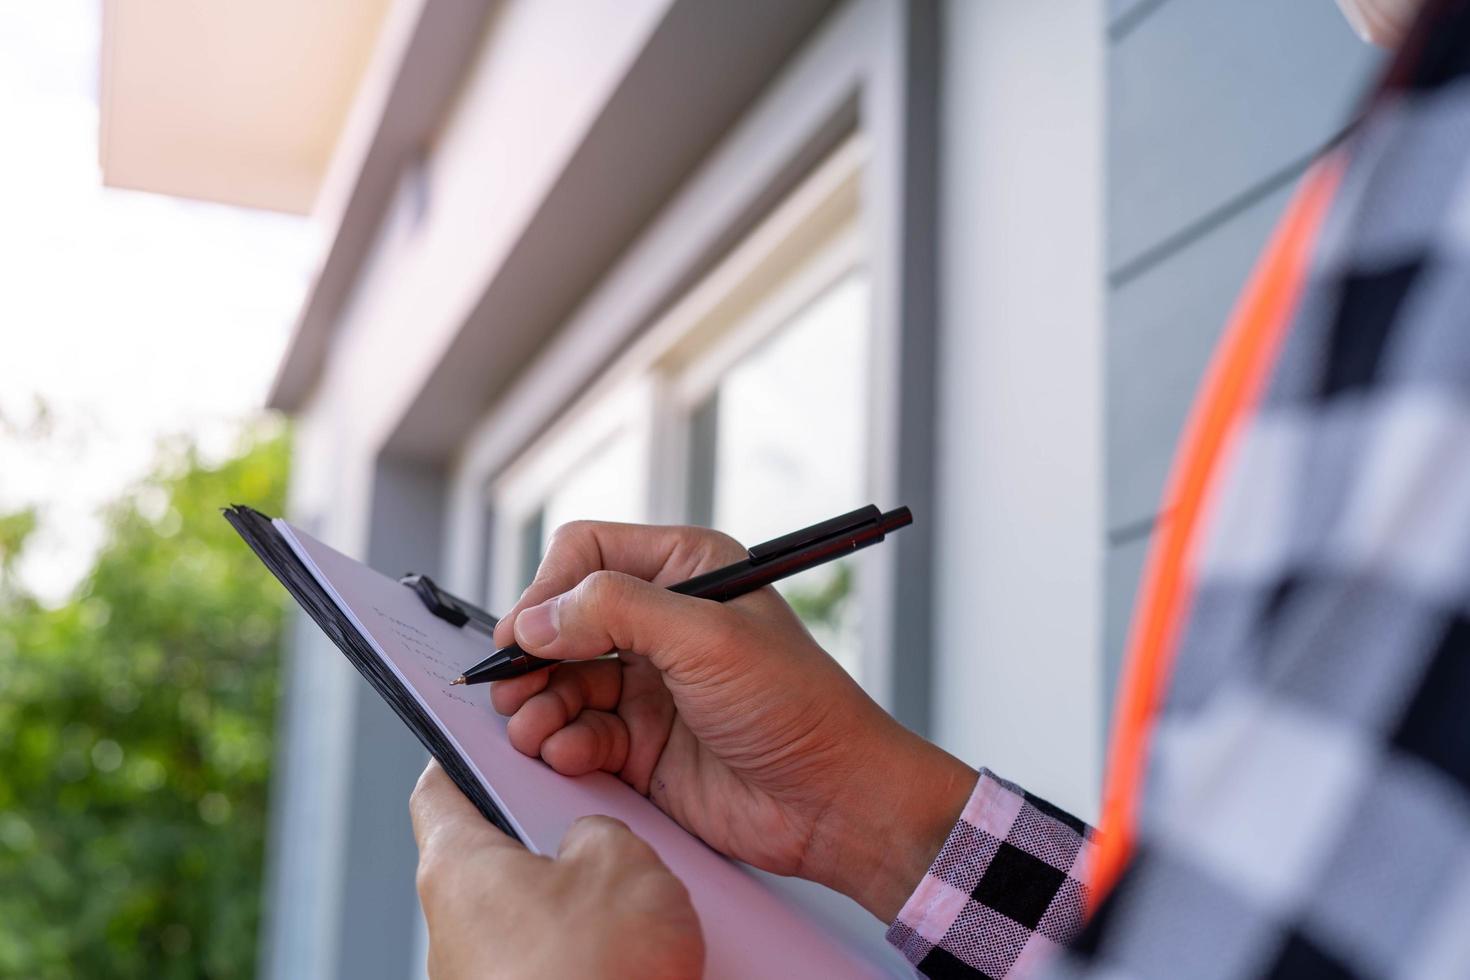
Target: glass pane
[788, 427]
[605, 485]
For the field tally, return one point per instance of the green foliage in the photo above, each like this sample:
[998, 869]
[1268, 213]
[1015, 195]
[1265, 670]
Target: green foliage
[823, 604]
[15, 529]
[135, 736]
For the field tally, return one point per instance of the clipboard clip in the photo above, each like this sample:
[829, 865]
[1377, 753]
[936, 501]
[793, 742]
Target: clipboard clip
[448, 607]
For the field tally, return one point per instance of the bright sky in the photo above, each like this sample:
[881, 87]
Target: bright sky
[133, 316]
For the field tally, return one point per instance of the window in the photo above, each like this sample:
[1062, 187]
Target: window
[779, 443]
[743, 408]
[593, 467]
[601, 486]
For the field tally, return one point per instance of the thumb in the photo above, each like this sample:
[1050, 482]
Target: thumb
[445, 819]
[612, 611]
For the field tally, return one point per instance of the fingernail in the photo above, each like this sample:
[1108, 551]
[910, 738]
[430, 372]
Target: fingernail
[537, 626]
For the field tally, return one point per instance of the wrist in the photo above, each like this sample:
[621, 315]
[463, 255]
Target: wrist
[881, 838]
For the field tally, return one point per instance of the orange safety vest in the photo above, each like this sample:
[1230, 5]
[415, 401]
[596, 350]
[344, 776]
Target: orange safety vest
[1231, 389]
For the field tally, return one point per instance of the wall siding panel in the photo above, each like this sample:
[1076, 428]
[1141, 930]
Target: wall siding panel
[1124, 567]
[1207, 99]
[1121, 11]
[1162, 330]
[1213, 110]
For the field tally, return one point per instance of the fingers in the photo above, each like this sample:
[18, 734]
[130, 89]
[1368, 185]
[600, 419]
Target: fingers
[595, 740]
[506, 697]
[568, 723]
[568, 718]
[565, 693]
[663, 555]
[597, 683]
[444, 820]
[614, 611]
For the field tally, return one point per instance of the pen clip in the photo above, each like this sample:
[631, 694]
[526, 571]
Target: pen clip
[832, 527]
[450, 608]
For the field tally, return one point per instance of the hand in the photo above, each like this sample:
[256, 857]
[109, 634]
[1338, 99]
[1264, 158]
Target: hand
[605, 906]
[728, 716]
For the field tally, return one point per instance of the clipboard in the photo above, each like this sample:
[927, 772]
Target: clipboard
[409, 638]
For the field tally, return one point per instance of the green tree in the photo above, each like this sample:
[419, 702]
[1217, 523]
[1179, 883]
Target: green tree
[824, 604]
[136, 735]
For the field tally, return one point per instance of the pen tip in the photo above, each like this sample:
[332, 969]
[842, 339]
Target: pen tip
[457, 680]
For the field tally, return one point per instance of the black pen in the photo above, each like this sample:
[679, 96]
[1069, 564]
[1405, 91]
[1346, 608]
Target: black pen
[765, 563]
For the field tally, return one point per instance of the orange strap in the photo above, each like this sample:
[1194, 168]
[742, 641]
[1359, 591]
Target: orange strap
[1229, 394]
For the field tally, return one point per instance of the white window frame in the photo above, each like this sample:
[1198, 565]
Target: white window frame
[870, 68]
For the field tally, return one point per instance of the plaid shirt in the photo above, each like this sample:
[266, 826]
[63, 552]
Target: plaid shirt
[1307, 804]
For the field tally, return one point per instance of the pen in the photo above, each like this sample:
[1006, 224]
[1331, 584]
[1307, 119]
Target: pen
[764, 563]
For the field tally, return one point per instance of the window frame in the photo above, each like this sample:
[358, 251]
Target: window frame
[869, 68]
[523, 487]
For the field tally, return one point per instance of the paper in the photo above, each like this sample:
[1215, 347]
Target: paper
[750, 929]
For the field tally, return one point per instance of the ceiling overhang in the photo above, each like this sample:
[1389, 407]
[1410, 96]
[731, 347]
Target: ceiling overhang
[239, 103]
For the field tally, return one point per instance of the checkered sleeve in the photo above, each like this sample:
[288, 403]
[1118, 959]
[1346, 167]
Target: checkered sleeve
[1008, 887]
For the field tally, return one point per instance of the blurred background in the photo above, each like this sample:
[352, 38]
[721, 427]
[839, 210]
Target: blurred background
[432, 277]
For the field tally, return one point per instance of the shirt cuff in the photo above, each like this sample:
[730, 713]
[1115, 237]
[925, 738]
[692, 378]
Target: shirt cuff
[1008, 886]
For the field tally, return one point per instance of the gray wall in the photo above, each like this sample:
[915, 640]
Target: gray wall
[1019, 510]
[1214, 110]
